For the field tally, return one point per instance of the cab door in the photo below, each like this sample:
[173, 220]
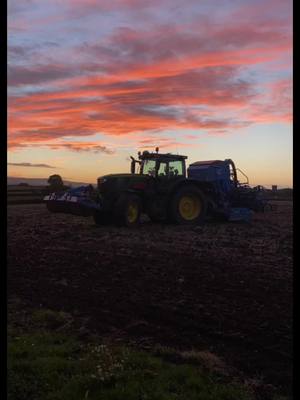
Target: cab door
[168, 174]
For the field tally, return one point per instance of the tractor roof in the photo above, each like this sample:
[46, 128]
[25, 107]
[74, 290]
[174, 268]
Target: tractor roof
[146, 155]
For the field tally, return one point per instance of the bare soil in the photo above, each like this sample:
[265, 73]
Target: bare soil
[223, 287]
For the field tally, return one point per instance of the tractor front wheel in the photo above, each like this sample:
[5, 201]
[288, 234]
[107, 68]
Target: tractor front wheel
[188, 206]
[101, 218]
[128, 210]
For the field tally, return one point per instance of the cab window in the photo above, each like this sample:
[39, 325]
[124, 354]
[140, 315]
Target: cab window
[149, 167]
[175, 168]
[162, 169]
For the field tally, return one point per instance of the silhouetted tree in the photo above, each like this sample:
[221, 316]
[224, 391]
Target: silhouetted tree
[55, 182]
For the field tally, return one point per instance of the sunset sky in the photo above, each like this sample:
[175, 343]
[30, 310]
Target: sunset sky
[91, 82]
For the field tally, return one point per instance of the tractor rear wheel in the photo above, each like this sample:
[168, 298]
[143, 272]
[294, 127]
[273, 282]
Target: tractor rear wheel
[188, 206]
[127, 210]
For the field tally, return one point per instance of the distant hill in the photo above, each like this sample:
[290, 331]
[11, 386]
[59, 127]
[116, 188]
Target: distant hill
[12, 180]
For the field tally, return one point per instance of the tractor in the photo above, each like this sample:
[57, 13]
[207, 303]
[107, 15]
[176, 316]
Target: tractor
[161, 186]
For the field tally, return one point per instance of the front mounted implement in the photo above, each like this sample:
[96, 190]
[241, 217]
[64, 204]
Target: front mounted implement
[79, 201]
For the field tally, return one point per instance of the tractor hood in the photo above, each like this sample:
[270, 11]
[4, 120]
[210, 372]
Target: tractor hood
[112, 176]
[117, 182]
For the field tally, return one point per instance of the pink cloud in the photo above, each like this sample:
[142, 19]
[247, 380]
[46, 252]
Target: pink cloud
[133, 80]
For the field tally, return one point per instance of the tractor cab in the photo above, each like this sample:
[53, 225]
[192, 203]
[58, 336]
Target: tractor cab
[160, 165]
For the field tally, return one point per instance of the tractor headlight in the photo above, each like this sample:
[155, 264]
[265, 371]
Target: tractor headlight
[101, 180]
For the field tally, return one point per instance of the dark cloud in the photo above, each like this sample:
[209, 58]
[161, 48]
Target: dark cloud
[82, 147]
[73, 146]
[46, 133]
[83, 8]
[20, 75]
[16, 6]
[27, 164]
[17, 51]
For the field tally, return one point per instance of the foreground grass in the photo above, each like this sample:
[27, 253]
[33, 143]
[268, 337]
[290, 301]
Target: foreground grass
[58, 367]
[46, 361]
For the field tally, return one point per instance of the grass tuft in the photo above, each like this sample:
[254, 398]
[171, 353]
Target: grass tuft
[57, 367]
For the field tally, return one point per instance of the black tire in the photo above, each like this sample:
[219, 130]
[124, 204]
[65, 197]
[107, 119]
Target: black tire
[127, 210]
[188, 206]
[101, 218]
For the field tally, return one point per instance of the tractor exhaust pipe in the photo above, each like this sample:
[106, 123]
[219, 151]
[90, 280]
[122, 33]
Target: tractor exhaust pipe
[234, 173]
[132, 165]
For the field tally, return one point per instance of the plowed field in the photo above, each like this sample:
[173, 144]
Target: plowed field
[225, 287]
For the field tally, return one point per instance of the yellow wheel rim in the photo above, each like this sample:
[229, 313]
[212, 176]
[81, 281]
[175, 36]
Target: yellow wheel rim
[189, 207]
[132, 213]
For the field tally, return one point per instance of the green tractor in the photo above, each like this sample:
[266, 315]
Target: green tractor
[161, 186]
[157, 186]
